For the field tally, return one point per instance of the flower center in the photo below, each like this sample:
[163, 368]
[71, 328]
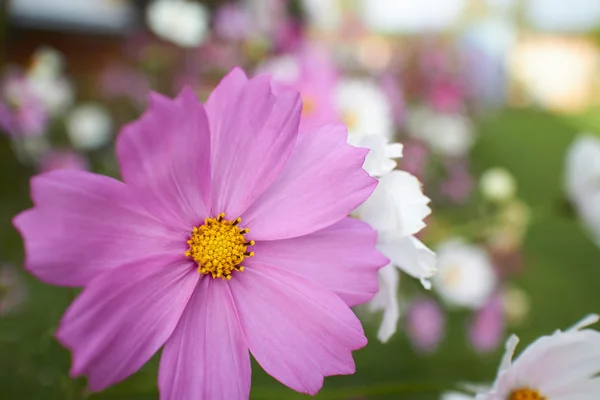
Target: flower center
[525, 394]
[350, 118]
[219, 246]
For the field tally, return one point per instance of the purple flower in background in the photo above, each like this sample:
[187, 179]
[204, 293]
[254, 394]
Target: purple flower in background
[228, 236]
[415, 156]
[486, 331]
[232, 21]
[62, 159]
[425, 324]
[392, 90]
[122, 81]
[459, 184]
[21, 111]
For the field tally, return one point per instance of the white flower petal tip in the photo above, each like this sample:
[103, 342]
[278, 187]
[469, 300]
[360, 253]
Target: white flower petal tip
[426, 283]
[585, 322]
[379, 161]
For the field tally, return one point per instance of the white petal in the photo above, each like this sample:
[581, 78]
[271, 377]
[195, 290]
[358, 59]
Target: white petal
[409, 254]
[509, 351]
[585, 322]
[455, 396]
[397, 204]
[582, 167]
[379, 160]
[387, 300]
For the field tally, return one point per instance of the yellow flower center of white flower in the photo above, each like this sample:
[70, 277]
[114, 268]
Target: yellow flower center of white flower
[219, 247]
[350, 118]
[525, 394]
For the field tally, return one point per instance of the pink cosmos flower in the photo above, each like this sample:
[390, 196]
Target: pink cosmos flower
[425, 324]
[446, 95]
[459, 184]
[228, 236]
[487, 329]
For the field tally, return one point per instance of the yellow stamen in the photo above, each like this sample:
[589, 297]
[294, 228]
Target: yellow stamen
[219, 246]
[525, 394]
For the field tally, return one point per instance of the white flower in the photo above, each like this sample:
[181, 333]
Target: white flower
[561, 366]
[45, 77]
[89, 127]
[380, 161]
[456, 396]
[47, 62]
[465, 275]
[396, 209]
[182, 22]
[285, 68]
[397, 16]
[56, 93]
[365, 109]
[446, 133]
[324, 15]
[582, 180]
[497, 184]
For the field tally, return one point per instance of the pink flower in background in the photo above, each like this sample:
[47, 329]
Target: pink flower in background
[288, 35]
[446, 96]
[487, 329]
[314, 75]
[425, 323]
[125, 82]
[232, 21]
[228, 236]
[63, 159]
[459, 184]
[21, 111]
[415, 158]
[393, 92]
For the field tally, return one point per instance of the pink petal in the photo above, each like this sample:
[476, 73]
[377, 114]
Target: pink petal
[165, 157]
[425, 324]
[341, 257]
[84, 224]
[206, 357]
[297, 330]
[253, 134]
[122, 318]
[486, 331]
[322, 182]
